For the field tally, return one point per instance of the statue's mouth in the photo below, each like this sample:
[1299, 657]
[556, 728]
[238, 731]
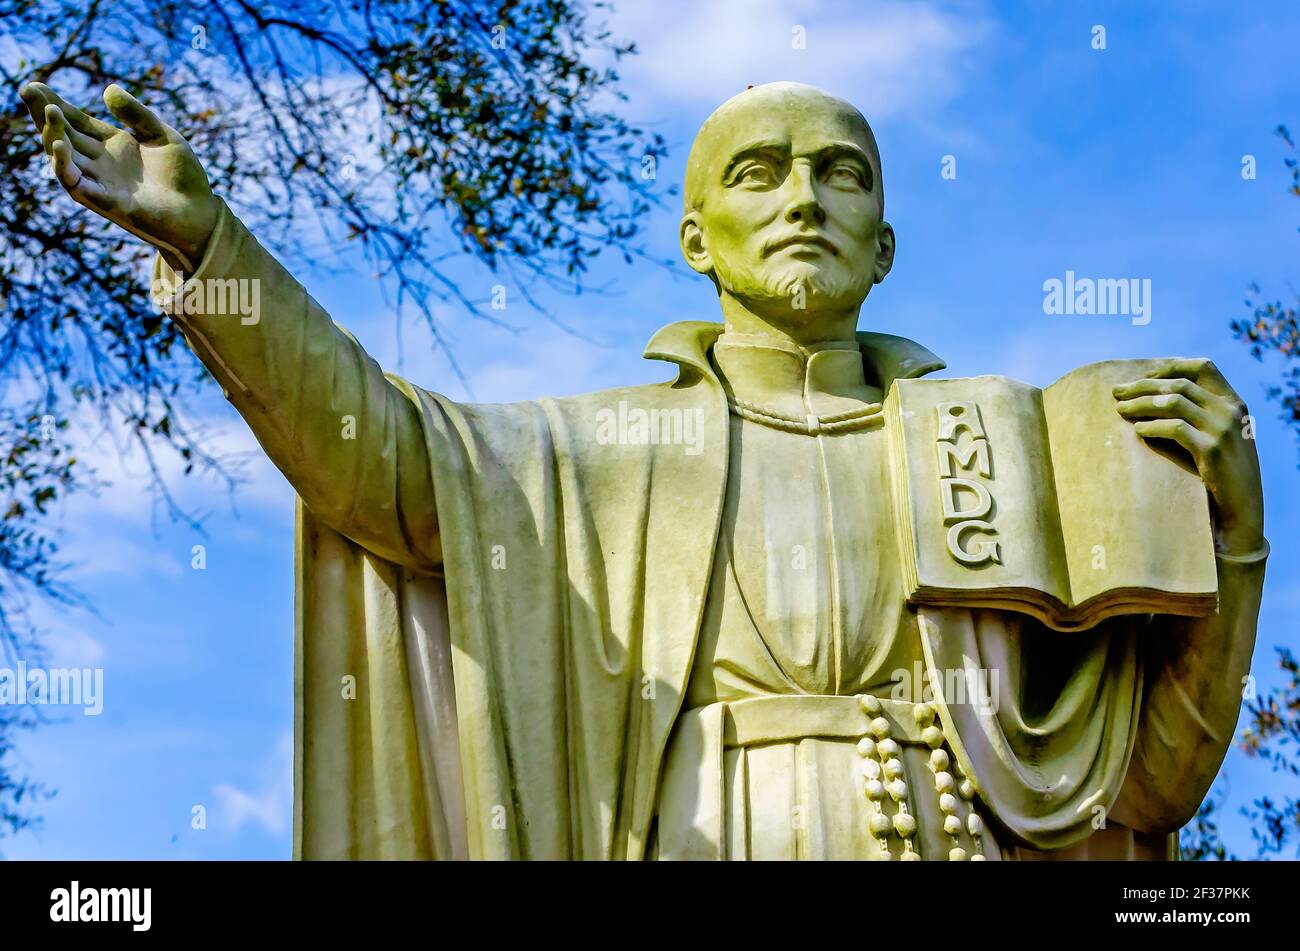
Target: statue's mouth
[803, 242]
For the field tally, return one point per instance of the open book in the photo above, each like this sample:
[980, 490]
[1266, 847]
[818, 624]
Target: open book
[1046, 501]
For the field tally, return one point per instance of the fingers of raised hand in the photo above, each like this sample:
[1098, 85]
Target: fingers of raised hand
[38, 96]
[72, 155]
[135, 115]
[53, 128]
[56, 129]
[86, 145]
[78, 184]
[64, 167]
[57, 132]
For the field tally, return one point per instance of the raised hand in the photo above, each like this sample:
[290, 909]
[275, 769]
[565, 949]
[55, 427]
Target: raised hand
[1191, 403]
[144, 178]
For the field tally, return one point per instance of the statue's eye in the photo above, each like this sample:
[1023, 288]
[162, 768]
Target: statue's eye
[755, 173]
[847, 175]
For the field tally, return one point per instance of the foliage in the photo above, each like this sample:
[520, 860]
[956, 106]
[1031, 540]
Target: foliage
[1274, 729]
[422, 131]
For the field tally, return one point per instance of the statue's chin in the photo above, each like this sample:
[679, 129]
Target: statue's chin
[797, 292]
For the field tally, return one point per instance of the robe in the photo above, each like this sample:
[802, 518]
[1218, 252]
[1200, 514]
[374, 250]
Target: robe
[805, 616]
[499, 606]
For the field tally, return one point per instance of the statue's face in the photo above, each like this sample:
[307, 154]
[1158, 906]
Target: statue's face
[785, 204]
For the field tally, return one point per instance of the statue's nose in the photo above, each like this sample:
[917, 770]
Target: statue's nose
[804, 206]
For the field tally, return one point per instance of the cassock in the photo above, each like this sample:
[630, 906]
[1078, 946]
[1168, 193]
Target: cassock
[667, 621]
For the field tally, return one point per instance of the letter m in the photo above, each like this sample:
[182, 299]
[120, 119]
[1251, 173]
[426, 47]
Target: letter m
[1115, 294]
[223, 296]
[952, 458]
[116, 904]
[65, 685]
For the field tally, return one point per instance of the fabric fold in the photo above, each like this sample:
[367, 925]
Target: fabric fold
[1042, 724]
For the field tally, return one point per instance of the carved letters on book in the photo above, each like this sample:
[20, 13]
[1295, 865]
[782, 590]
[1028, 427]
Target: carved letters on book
[966, 525]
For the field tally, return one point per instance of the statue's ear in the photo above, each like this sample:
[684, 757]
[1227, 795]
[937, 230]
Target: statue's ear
[692, 242]
[885, 258]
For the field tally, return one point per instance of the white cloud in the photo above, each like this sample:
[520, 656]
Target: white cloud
[126, 493]
[68, 647]
[99, 555]
[268, 806]
[888, 58]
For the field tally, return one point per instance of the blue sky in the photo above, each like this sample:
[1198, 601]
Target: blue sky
[1124, 162]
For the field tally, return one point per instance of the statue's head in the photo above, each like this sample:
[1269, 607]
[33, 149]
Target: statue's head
[785, 205]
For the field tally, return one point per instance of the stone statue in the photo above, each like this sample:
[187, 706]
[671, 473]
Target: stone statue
[667, 621]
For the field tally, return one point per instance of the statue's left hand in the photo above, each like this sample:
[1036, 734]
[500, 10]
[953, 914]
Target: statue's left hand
[1191, 403]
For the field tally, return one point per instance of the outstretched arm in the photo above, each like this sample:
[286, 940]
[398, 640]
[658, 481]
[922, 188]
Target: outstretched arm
[347, 437]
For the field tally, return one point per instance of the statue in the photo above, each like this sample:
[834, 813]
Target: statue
[666, 621]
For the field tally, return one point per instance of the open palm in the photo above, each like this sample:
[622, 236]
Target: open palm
[144, 178]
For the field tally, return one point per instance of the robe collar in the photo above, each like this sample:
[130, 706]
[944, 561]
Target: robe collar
[825, 379]
[885, 357]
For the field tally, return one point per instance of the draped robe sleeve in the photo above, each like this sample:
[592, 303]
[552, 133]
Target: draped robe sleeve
[1102, 743]
[566, 657]
[351, 441]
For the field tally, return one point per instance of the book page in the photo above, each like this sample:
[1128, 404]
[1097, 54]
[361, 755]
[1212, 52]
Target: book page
[1134, 514]
[979, 486]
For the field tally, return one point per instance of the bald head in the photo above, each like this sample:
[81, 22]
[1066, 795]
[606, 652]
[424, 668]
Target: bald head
[785, 211]
[776, 112]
